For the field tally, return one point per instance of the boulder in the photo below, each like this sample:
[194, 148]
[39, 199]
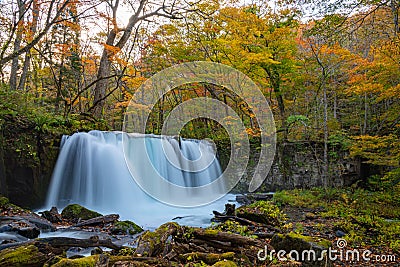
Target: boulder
[25, 229]
[75, 213]
[152, 244]
[125, 227]
[28, 255]
[52, 215]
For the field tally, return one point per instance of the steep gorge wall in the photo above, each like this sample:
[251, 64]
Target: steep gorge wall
[27, 158]
[300, 165]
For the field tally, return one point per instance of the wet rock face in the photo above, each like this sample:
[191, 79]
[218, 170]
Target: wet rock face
[27, 160]
[298, 165]
[305, 249]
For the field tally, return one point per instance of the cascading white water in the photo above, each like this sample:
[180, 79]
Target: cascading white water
[91, 171]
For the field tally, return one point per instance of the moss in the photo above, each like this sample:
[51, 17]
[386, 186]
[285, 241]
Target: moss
[153, 243]
[3, 201]
[124, 227]
[81, 262]
[225, 263]
[233, 227]
[319, 241]
[263, 212]
[208, 258]
[22, 256]
[211, 232]
[74, 212]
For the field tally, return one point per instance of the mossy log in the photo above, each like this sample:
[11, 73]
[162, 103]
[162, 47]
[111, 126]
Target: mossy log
[233, 239]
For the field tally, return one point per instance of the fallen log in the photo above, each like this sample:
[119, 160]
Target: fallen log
[99, 220]
[234, 239]
[243, 221]
[66, 242]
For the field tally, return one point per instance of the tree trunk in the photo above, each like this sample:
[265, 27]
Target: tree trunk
[326, 135]
[17, 45]
[27, 61]
[105, 62]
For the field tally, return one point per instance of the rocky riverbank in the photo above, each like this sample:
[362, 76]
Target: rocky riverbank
[295, 228]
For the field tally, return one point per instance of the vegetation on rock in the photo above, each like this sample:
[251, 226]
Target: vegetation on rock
[75, 212]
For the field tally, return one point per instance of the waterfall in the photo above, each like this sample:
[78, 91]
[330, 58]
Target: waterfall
[93, 170]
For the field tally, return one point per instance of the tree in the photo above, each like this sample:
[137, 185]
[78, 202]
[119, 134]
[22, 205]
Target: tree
[117, 38]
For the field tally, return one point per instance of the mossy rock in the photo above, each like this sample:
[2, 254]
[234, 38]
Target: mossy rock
[126, 227]
[74, 212]
[3, 202]
[262, 212]
[225, 263]
[6, 205]
[22, 256]
[152, 244]
[303, 245]
[90, 261]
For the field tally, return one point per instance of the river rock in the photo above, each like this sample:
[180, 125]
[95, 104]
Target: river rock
[125, 227]
[75, 213]
[25, 229]
[52, 215]
[152, 244]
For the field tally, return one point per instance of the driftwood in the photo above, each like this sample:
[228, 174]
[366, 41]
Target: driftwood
[66, 242]
[99, 220]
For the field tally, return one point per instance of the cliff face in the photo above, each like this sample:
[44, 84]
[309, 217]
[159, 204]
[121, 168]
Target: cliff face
[300, 165]
[27, 158]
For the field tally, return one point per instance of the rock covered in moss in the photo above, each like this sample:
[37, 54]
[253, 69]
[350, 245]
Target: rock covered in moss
[153, 243]
[85, 261]
[125, 227]
[262, 212]
[7, 206]
[22, 256]
[302, 248]
[75, 212]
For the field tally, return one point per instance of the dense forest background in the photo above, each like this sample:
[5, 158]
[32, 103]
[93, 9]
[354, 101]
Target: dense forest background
[330, 70]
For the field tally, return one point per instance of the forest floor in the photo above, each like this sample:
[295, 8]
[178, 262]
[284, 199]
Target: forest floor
[343, 227]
